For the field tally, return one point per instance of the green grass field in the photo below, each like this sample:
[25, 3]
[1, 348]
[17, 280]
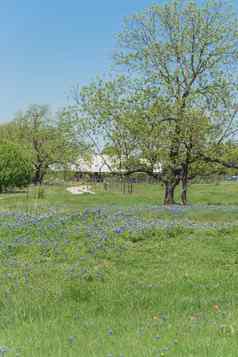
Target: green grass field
[113, 275]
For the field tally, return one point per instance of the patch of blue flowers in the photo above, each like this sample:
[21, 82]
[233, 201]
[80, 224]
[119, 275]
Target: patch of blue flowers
[100, 227]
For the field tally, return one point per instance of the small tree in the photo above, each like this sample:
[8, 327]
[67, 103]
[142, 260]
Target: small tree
[50, 139]
[15, 167]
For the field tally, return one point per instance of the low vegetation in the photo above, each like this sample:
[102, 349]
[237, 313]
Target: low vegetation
[15, 167]
[118, 275]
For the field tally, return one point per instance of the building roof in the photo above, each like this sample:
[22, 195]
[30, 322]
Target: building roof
[99, 164]
[103, 164]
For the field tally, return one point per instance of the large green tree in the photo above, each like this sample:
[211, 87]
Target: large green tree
[132, 122]
[189, 52]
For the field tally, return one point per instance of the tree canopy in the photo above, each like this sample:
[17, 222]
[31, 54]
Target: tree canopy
[49, 139]
[177, 103]
[15, 167]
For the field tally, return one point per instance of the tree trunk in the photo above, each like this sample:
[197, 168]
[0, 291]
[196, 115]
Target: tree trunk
[184, 191]
[38, 177]
[184, 181]
[169, 193]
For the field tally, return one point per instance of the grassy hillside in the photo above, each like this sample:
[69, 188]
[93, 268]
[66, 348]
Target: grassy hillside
[113, 275]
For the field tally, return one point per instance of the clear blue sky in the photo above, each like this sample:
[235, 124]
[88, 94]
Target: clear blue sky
[49, 45]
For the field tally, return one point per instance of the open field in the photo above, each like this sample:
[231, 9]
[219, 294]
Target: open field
[113, 275]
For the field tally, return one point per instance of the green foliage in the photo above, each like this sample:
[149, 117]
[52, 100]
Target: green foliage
[179, 102]
[40, 192]
[15, 167]
[189, 51]
[50, 139]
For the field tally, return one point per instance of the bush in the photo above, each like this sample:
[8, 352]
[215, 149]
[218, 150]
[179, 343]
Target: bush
[15, 167]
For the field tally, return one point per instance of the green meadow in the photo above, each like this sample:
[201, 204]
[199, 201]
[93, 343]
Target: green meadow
[119, 275]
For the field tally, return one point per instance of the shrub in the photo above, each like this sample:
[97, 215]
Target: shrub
[15, 167]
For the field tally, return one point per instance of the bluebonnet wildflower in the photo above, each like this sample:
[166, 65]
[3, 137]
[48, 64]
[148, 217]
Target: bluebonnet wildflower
[110, 332]
[119, 230]
[71, 339]
[157, 337]
[3, 350]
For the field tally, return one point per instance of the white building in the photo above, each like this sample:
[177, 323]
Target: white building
[96, 164]
[104, 164]
[99, 164]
